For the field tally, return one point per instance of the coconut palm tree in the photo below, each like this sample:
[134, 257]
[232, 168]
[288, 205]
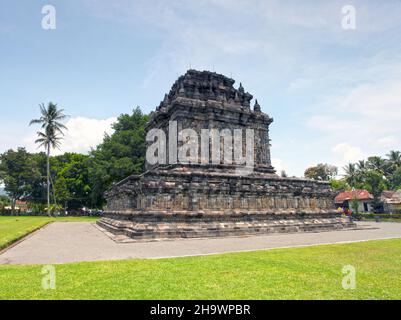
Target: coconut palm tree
[351, 174]
[377, 163]
[361, 165]
[51, 135]
[394, 157]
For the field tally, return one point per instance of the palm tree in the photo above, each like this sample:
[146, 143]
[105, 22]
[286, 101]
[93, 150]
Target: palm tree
[394, 157]
[351, 174]
[50, 137]
[377, 163]
[361, 165]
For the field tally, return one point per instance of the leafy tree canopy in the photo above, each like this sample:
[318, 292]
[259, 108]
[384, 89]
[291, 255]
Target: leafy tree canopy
[119, 155]
[340, 184]
[322, 172]
[364, 172]
[19, 173]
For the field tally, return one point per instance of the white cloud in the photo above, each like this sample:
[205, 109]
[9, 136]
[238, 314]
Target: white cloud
[363, 122]
[390, 142]
[279, 165]
[82, 135]
[347, 152]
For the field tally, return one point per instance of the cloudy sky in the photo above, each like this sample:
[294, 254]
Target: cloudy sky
[334, 93]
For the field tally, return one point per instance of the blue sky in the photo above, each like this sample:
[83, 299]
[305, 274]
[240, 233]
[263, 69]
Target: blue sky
[335, 94]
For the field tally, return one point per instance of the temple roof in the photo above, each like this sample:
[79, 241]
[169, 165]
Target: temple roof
[208, 86]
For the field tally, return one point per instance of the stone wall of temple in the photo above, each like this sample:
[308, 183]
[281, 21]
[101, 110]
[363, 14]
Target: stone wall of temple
[168, 192]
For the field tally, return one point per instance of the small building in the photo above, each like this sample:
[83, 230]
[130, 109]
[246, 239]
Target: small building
[391, 201]
[363, 197]
[21, 205]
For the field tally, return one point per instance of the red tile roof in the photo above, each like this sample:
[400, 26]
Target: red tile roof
[350, 195]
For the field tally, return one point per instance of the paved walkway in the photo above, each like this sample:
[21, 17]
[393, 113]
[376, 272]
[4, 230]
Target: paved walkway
[64, 242]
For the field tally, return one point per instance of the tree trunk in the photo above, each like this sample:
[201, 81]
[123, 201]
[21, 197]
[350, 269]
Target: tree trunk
[13, 201]
[48, 181]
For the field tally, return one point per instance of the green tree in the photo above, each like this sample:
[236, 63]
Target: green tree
[322, 172]
[351, 174]
[61, 192]
[375, 183]
[378, 164]
[119, 155]
[394, 157]
[4, 201]
[395, 180]
[50, 137]
[361, 166]
[38, 194]
[72, 182]
[355, 204]
[339, 184]
[394, 169]
[17, 172]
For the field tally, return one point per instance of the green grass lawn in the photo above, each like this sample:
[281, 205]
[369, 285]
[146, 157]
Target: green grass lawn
[299, 273]
[16, 227]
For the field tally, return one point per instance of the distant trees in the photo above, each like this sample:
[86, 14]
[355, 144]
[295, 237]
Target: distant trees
[73, 179]
[322, 172]
[77, 180]
[24, 177]
[4, 201]
[375, 174]
[388, 169]
[18, 172]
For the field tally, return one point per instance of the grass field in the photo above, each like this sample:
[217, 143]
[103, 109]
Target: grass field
[299, 273]
[13, 228]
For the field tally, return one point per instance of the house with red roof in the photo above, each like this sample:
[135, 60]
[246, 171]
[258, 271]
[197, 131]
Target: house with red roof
[363, 197]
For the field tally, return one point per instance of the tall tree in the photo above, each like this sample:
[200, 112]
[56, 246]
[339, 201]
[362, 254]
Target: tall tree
[351, 174]
[119, 155]
[50, 137]
[375, 184]
[394, 157]
[377, 163]
[361, 166]
[394, 163]
[395, 179]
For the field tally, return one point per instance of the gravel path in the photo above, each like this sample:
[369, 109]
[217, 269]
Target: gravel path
[65, 242]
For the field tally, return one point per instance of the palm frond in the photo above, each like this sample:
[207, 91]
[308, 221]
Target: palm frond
[53, 129]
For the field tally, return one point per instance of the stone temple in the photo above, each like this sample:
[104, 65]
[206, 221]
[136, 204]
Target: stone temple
[214, 198]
